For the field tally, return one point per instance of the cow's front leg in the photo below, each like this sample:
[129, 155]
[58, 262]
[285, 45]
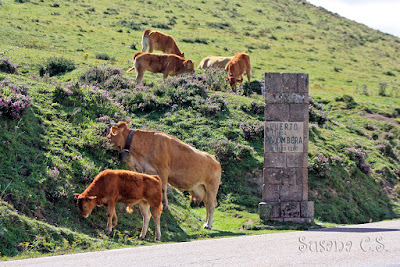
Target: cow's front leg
[111, 215]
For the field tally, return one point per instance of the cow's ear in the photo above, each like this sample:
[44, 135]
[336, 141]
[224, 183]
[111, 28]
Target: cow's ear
[92, 197]
[114, 130]
[76, 195]
[122, 124]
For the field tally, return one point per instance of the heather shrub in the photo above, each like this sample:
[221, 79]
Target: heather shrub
[252, 131]
[255, 108]
[108, 78]
[14, 99]
[7, 66]
[104, 56]
[316, 113]
[227, 151]
[320, 165]
[356, 154]
[56, 65]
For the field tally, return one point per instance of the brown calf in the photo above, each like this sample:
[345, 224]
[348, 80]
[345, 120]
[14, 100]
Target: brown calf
[112, 186]
[160, 63]
[236, 68]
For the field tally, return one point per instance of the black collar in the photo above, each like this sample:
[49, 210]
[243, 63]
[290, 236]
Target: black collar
[128, 143]
[129, 139]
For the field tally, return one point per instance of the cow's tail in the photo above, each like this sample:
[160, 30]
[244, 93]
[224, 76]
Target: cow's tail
[145, 40]
[134, 61]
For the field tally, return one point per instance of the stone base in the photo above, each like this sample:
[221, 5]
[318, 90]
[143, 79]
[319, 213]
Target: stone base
[294, 211]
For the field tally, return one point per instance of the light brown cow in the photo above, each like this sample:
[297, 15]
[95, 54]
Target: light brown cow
[177, 163]
[112, 186]
[160, 63]
[155, 40]
[236, 68]
[214, 62]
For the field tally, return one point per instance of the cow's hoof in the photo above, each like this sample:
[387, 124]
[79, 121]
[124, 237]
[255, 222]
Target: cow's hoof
[165, 207]
[141, 237]
[205, 226]
[108, 230]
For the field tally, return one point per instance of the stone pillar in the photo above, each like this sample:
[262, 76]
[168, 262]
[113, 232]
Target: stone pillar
[285, 188]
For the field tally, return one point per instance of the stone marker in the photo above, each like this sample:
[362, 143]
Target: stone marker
[285, 188]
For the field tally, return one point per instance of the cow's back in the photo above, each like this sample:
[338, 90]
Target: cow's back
[185, 163]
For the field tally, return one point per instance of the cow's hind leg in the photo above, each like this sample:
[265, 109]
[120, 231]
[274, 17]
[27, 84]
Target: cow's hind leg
[210, 202]
[145, 210]
[156, 212]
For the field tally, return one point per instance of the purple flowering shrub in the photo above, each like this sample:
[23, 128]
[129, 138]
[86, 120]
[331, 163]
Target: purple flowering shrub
[7, 66]
[320, 165]
[190, 90]
[14, 99]
[357, 154]
[252, 131]
[228, 151]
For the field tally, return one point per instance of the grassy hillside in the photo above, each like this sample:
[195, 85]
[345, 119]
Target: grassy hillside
[52, 128]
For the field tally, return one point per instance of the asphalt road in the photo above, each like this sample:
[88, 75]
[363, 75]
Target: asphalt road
[358, 245]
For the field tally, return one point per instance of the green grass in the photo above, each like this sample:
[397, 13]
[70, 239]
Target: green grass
[58, 146]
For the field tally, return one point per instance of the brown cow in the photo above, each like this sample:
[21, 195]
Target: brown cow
[112, 186]
[155, 40]
[236, 68]
[160, 63]
[177, 163]
[214, 62]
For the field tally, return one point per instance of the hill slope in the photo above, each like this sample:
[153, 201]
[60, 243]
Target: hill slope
[57, 146]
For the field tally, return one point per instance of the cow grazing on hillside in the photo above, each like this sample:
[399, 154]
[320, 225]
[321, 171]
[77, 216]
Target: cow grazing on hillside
[214, 62]
[155, 40]
[236, 68]
[112, 186]
[177, 163]
[160, 63]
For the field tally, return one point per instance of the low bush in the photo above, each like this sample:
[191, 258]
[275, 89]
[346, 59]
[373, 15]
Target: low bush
[7, 66]
[56, 65]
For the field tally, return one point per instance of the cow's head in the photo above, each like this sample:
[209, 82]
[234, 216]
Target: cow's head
[116, 136]
[189, 65]
[85, 204]
[232, 81]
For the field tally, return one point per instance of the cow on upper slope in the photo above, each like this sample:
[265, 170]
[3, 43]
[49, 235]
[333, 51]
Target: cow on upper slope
[112, 186]
[155, 40]
[236, 68]
[214, 62]
[177, 163]
[160, 63]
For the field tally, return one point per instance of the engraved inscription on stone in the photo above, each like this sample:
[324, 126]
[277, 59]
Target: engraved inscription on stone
[284, 136]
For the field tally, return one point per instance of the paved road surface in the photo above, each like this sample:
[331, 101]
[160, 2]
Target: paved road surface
[365, 245]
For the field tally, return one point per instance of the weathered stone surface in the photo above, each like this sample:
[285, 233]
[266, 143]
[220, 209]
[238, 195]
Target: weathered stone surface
[286, 82]
[290, 209]
[276, 112]
[274, 160]
[285, 98]
[296, 160]
[298, 112]
[291, 192]
[307, 209]
[298, 220]
[269, 210]
[280, 176]
[270, 192]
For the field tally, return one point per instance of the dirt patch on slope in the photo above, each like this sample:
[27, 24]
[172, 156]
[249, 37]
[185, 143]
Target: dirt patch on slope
[380, 117]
